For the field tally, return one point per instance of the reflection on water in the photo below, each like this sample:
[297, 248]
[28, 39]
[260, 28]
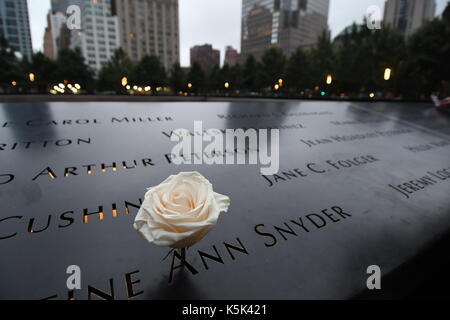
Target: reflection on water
[17, 114]
[413, 115]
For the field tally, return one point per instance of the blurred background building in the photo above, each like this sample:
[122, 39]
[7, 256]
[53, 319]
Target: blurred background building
[149, 27]
[205, 56]
[15, 26]
[231, 56]
[57, 35]
[62, 5]
[287, 24]
[99, 37]
[408, 15]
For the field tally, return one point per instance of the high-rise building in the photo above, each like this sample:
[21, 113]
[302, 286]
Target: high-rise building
[53, 38]
[205, 56]
[231, 56]
[149, 27]
[99, 37]
[15, 26]
[62, 5]
[57, 35]
[408, 15]
[287, 24]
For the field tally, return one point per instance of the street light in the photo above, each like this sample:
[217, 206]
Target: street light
[14, 83]
[226, 85]
[329, 79]
[280, 82]
[189, 85]
[124, 81]
[387, 74]
[31, 76]
[276, 87]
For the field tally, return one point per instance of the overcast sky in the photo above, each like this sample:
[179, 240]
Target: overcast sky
[219, 21]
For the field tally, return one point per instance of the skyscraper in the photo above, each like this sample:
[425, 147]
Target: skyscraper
[62, 5]
[57, 35]
[15, 26]
[287, 24]
[408, 15]
[205, 56]
[56, 25]
[99, 37]
[149, 27]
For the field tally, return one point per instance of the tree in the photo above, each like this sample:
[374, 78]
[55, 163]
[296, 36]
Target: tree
[110, 76]
[428, 64]
[43, 69]
[177, 80]
[150, 72]
[322, 59]
[236, 77]
[273, 63]
[196, 77]
[219, 77]
[298, 71]
[251, 70]
[362, 55]
[72, 68]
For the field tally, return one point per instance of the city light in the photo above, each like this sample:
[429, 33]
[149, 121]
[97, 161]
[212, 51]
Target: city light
[189, 85]
[280, 82]
[128, 87]
[226, 85]
[322, 93]
[124, 81]
[276, 86]
[148, 88]
[32, 77]
[372, 95]
[329, 79]
[57, 89]
[67, 87]
[14, 83]
[387, 74]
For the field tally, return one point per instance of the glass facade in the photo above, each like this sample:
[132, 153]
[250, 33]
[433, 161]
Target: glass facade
[15, 27]
[287, 24]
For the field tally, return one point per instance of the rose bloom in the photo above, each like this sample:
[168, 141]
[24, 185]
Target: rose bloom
[180, 211]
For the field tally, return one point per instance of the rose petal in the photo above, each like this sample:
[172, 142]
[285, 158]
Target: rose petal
[180, 211]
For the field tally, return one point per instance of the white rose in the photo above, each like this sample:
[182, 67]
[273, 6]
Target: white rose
[180, 211]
